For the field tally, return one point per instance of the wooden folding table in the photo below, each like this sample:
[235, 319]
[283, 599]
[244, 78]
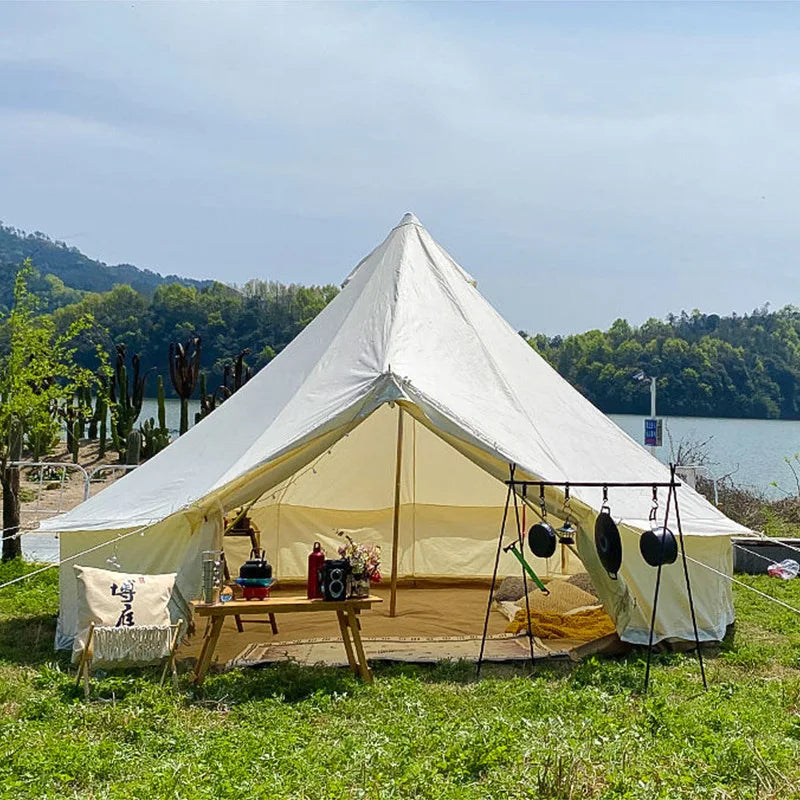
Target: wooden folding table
[347, 612]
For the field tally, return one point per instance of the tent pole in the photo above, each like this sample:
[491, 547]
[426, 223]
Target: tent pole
[398, 477]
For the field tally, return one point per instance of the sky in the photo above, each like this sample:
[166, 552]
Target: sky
[584, 161]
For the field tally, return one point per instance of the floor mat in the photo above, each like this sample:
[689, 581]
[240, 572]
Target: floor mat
[415, 650]
[431, 625]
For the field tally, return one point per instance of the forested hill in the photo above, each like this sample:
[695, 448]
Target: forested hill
[76, 270]
[262, 317]
[147, 312]
[706, 365]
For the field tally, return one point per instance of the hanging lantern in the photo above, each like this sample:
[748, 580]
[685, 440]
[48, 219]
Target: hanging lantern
[566, 533]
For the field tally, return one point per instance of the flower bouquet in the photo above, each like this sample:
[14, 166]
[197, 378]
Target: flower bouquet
[365, 563]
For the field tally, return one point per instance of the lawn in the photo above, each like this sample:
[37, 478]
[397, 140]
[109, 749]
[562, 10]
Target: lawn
[565, 732]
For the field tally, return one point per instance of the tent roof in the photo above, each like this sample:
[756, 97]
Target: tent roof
[408, 325]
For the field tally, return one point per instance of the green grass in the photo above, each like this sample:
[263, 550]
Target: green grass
[567, 732]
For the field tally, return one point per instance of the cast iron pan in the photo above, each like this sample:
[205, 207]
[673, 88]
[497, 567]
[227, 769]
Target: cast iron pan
[542, 540]
[658, 546]
[608, 542]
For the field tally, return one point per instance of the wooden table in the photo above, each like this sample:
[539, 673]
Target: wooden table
[347, 612]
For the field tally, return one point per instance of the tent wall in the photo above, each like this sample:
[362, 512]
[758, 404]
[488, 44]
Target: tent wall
[450, 511]
[629, 599]
[435, 541]
[712, 593]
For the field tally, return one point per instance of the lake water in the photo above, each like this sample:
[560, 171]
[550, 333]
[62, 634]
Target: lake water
[752, 449]
[172, 412]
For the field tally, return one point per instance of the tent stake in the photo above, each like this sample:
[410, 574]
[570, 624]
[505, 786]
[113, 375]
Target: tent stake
[398, 479]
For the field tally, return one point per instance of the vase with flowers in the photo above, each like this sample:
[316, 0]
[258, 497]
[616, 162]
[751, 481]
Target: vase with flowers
[365, 562]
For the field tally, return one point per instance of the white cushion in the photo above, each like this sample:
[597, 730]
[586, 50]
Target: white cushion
[120, 600]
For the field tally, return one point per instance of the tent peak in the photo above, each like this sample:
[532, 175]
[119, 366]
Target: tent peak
[409, 218]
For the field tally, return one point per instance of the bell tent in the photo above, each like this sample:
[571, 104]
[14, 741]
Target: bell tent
[397, 414]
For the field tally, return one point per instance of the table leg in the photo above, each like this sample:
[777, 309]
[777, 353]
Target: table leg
[355, 629]
[348, 646]
[209, 646]
[273, 624]
[239, 626]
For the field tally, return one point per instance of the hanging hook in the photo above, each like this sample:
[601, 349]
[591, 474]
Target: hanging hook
[566, 507]
[604, 507]
[542, 504]
[654, 507]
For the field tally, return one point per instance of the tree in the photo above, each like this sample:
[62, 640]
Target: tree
[37, 373]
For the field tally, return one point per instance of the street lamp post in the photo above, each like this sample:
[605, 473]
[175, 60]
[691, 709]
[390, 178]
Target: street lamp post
[640, 376]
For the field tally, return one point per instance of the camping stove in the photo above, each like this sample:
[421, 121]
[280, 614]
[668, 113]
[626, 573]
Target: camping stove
[255, 588]
[255, 576]
[255, 592]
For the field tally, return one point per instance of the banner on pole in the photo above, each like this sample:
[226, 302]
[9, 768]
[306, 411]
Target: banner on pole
[652, 432]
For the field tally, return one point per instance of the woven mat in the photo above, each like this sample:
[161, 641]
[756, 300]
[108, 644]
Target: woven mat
[416, 650]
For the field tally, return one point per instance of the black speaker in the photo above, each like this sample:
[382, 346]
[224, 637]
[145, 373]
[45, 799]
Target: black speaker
[334, 579]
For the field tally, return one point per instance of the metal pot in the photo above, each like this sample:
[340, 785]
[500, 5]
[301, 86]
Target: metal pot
[658, 546]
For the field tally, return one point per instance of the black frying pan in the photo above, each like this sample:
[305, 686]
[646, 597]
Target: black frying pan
[608, 543]
[542, 539]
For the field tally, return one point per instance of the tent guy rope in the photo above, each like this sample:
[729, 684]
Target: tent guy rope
[743, 584]
[115, 540]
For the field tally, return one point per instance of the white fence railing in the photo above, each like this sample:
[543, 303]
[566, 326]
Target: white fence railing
[58, 486]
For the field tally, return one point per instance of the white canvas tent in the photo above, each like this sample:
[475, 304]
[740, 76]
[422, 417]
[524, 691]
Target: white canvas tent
[313, 438]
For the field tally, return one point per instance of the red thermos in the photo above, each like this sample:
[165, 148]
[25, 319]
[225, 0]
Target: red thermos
[316, 558]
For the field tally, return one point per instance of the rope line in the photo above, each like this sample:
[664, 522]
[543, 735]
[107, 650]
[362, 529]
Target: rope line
[742, 583]
[73, 557]
[753, 553]
[778, 542]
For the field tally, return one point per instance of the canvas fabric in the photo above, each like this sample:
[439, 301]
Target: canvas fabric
[174, 546]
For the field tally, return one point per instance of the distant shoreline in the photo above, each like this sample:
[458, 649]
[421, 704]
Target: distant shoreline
[196, 401]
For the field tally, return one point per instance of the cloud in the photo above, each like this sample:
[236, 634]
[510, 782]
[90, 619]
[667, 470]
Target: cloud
[647, 155]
